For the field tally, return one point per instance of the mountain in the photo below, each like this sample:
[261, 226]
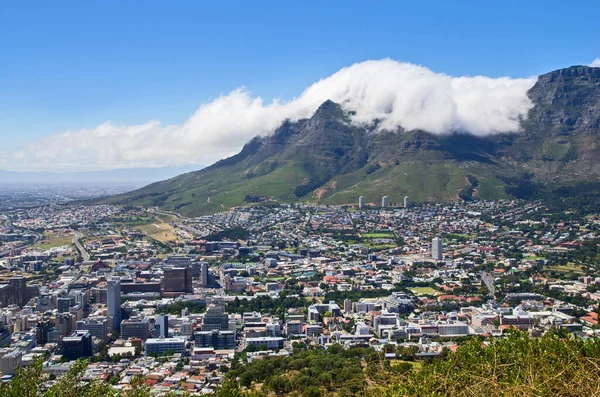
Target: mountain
[327, 159]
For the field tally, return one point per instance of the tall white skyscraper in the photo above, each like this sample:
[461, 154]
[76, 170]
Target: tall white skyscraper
[204, 275]
[406, 201]
[384, 201]
[113, 300]
[361, 202]
[436, 249]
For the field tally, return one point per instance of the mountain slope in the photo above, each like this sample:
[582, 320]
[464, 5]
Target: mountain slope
[328, 159]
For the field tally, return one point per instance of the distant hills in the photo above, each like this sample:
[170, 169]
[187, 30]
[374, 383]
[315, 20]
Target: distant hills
[327, 159]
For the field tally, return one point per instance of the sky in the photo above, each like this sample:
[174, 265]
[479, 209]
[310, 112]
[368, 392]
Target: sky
[96, 85]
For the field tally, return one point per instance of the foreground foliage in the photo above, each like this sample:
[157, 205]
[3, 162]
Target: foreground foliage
[516, 365]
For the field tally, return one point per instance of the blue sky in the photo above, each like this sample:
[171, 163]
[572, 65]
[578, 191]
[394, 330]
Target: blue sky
[74, 65]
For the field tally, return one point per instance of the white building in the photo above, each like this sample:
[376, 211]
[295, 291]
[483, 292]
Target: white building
[436, 249]
[361, 202]
[163, 345]
[384, 201]
[269, 342]
[406, 202]
[113, 300]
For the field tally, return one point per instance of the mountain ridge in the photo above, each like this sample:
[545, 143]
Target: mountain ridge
[328, 159]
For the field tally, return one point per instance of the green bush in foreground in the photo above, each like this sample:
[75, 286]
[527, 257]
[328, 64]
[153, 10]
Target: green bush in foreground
[513, 366]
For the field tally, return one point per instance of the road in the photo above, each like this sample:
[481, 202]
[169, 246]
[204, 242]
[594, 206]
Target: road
[37, 237]
[488, 280]
[84, 254]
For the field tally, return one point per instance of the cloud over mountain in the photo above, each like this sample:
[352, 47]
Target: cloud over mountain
[398, 94]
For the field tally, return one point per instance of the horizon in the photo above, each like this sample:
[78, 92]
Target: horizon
[183, 95]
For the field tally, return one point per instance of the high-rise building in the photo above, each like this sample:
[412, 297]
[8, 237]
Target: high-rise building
[347, 306]
[163, 325]
[18, 291]
[436, 249]
[216, 339]
[177, 281]
[63, 304]
[113, 300]
[361, 202]
[384, 201]
[77, 345]
[204, 275]
[41, 332]
[215, 318]
[406, 201]
[98, 328]
[135, 328]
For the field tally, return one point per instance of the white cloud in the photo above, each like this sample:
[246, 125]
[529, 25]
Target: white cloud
[399, 94]
[596, 63]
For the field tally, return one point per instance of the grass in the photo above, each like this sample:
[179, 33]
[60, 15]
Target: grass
[419, 291]
[570, 268]
[54, 239]
[415, 364]
[535, 258]
[378, 235]
[162, 232]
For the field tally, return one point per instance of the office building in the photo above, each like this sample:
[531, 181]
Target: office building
[63, 304]
[294, 327]
[18, 292]
[273, 329]
[163, 325]
[177, 281]
[135, 328]
[162, 345]
[214, 318]
[384, 201]
[11, 361]
[77, 345]
[113, 301]
[436, 249]
[406, 202]
[347, 306]
[204, 275]
[361, 202]
[98, 328]
[219, 340]
[5, 336]
[267, 341]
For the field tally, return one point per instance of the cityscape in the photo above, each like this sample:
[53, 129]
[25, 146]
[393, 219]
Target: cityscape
[299, 199]
[178, 300]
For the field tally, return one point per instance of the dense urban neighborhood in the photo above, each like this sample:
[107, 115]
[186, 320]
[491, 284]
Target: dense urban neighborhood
[189, 305]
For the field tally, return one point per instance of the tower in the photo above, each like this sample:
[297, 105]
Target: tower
[204, 275]
[436, 248]
[163, 323]
[361, 202]
[406, 202]
[113, 299]
[384, 201]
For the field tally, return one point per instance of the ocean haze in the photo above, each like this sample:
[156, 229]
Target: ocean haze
[140, 175]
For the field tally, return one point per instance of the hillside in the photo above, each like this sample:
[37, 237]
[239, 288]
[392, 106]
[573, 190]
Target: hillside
[328, 159]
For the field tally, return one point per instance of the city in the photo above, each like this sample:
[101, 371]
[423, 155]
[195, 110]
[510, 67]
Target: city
[299, 199]
[178, 300]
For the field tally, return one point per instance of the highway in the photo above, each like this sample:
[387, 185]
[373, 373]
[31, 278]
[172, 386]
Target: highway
[84, 254]
[37, 238]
